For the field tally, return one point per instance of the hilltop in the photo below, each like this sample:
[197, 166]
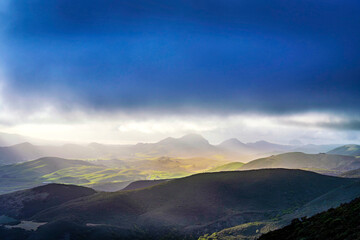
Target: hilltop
[326, 163]
[350, 150]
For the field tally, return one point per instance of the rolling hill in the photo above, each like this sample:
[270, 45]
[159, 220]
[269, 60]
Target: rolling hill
[227, 167]
[349, 150]
[200, 203]
[58, 170]
[102, 175]
[324, 163]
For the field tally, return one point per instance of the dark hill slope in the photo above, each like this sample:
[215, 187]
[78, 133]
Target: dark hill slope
[352, 173]
[209, 200]
[332, 199]
[25, 203]
[341, 223]
[350, 150]
[297, 160]
[143, 184]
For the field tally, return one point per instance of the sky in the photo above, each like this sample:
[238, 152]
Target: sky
[138, 71]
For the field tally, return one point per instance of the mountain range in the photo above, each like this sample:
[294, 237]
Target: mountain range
[191, 145]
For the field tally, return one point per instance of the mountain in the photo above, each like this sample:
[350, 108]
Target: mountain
[25, 203]
[18, 153]
[325, 163]
[191, 145]
[336, 224]
[314, 149]
[349, 150]
[7, 139]
[199, 203]
[235, 146]
[188, 146]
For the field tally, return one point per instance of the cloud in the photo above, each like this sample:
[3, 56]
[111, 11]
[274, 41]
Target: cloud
[160, 56]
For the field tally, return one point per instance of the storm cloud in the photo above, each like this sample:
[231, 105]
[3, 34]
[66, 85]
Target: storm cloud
[216, 56]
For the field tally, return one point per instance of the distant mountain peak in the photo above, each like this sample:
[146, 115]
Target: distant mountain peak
[24, 144]
[193, 138]
[232, 141]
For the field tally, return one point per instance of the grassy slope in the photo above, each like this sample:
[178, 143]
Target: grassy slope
[203, 201]
[227, 167]
[58, 170]
[350, 150]
[336, 224]
[246, 231]
[315, 162]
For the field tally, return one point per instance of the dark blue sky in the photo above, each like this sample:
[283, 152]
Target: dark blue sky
[219, 56]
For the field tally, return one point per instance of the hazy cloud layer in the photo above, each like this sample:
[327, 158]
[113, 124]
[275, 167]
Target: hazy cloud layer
[143, 70]
[218, 56]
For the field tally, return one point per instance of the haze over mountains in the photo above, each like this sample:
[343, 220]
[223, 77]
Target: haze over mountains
[191, 145]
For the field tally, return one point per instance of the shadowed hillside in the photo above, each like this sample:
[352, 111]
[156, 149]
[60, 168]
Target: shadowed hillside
[251, 231]
[143, 184]
[25, 203]
[203, 201]
[336, 224]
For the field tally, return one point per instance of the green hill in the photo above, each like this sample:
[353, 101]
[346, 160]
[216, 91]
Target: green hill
[323, 163]
[336, 224]
[97, 174]
[227, 167]
[58, 170]
[200, 203]
[349, 150]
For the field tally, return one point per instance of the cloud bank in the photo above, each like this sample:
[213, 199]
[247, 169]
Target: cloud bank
[68, 61]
